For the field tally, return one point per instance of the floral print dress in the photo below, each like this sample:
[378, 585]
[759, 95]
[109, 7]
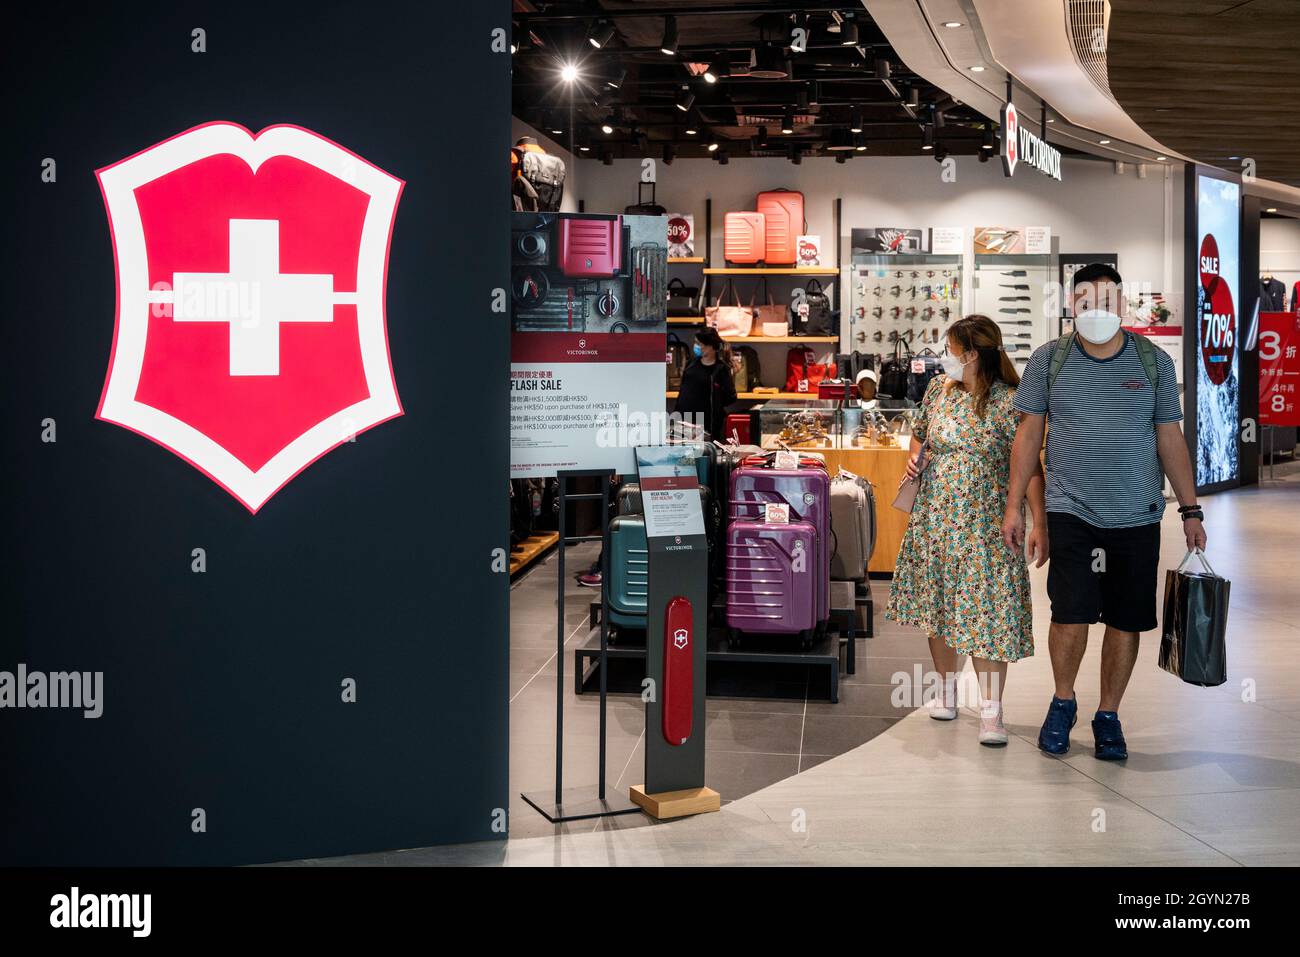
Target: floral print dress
[954, 576]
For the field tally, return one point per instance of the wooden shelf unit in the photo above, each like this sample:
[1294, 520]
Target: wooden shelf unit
[675, 260]
[531, 549]
[771, 271]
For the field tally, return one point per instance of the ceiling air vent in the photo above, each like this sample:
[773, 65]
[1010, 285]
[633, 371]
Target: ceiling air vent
[1087, 21]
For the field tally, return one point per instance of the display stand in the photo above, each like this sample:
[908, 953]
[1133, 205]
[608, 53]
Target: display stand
[676, 635]
[575, 804]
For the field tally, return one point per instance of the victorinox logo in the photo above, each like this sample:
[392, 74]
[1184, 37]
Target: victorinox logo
[250, 334]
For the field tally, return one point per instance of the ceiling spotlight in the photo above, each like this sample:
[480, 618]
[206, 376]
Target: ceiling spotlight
[988, 143]
[685, 99]
[801, 100]
[1051, 119]
[882, 69]
[855, 122]
[1161, 159]
[859, 143]
[1104, 142]
[711, 144]
[607, 158]
[669, 154]
[796, 156]
[555, 126]
[787, 122]
[760, 137]
[1271, 209]
[568, 73]
[615, 79]
[984, 156]
[841, 141]
[977, 69]
[849, 33]
[690, 131]
[914, 97]
[669, 45]
[600, 33]
[584, 147]
[723, 158]
[842, 158]
[952, 24]
[927, 137]
[940, 154]
[607, 127]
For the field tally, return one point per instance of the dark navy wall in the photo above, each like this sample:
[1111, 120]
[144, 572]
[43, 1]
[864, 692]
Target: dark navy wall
[222, 690]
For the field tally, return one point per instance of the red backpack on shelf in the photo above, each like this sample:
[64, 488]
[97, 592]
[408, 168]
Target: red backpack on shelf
[803, 371]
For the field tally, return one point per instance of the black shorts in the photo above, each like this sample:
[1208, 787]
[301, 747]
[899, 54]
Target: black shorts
[1102, 574]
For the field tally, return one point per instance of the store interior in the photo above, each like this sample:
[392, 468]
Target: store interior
[913, 222]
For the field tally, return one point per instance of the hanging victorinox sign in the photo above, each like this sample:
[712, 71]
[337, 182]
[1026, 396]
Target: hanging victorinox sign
[1021, 145]
[250, 334]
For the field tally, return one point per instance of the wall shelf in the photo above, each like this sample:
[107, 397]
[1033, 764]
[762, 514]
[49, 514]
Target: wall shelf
[674, 260]
[772, 271]
[764, 396]
[795, 339]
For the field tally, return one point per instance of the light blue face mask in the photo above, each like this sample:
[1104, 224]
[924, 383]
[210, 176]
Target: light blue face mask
[699, 350]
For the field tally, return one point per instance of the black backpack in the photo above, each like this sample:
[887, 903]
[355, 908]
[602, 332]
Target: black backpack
[818, 320]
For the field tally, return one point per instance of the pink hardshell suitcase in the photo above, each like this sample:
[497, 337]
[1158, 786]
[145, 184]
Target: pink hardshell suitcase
[744, 238]
[591, 248]
[783, 222]
[808, 493]
[771, 579]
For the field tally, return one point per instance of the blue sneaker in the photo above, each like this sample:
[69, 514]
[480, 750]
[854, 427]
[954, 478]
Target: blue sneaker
[1109, 736]
[1054, 737]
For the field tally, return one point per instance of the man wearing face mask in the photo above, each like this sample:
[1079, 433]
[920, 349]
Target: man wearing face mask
[1112, 402]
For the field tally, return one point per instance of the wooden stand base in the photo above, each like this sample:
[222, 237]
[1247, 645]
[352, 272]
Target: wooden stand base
[668, 804]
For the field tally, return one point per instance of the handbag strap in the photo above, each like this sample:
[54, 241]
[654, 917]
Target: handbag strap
[1200, 555]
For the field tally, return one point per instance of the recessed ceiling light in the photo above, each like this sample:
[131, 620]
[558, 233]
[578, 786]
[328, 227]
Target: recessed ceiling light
[952, 24]
[568, 73]
[977, 69]
[1051, 119]
[1161, 159]
[1104, 142]
[606, 128]
[690, 131]
[1271, 209]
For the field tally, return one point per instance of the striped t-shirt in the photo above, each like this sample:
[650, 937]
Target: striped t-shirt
[1102, 465]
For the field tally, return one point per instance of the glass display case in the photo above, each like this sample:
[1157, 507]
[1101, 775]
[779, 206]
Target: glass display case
[815, 424]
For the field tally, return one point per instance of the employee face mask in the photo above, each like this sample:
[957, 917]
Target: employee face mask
[1098, 326]
[698, 350]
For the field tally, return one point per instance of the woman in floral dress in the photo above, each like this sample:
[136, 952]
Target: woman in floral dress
[954, 576]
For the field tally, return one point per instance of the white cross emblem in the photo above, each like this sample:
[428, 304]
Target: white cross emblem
[254, 297]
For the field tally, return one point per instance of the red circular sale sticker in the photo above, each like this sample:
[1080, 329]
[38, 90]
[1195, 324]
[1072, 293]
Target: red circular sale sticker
[1218, 315]
[679, 231]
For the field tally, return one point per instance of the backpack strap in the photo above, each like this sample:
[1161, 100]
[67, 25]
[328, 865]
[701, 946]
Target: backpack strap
[1060, 352]
[1146, 350]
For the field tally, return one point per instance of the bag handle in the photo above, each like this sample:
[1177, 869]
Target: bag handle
[723, 291]
[1200, 555]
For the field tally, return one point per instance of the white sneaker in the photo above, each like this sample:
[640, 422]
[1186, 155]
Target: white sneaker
[941, 712]
[992, 733]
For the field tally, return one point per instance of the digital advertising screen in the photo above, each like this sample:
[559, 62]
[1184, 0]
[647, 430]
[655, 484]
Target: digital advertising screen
[1218, 248]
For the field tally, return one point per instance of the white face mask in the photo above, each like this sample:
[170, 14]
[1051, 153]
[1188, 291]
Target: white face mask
[1098, 326]
[954, 368]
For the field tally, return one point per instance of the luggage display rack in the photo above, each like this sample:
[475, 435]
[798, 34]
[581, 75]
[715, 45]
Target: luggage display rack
[777, 651]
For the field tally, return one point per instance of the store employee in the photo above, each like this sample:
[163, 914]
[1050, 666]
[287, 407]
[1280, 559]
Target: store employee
[707, 387]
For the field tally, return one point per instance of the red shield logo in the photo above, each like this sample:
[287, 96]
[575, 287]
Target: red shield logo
[250, 334]
[1010, 138]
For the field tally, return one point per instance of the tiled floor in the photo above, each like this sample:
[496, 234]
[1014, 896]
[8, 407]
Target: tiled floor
[752, 742]
[1213, 775]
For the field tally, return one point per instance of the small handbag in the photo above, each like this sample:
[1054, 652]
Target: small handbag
[681, 298]
[733, 320]
[905, 500]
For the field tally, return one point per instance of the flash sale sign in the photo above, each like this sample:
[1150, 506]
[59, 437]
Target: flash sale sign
[1218, 337]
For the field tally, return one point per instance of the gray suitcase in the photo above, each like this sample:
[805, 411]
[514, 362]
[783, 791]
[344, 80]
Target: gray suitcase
[853, 521]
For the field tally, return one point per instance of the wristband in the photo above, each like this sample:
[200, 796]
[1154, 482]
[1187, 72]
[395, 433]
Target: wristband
[1188, 508]
[1198, 515]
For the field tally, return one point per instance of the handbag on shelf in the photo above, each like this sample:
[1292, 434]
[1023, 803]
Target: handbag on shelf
[681, 298]
[894, 372]
[905, 499]
[733, 320]
[770, 318]
[921, 369]
[1193, 642]
[812, 312]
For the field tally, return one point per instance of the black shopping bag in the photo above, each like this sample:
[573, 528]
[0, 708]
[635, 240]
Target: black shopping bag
[1192, 645]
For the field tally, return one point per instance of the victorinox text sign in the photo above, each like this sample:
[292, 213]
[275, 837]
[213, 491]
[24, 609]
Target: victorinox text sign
[1018, 144]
